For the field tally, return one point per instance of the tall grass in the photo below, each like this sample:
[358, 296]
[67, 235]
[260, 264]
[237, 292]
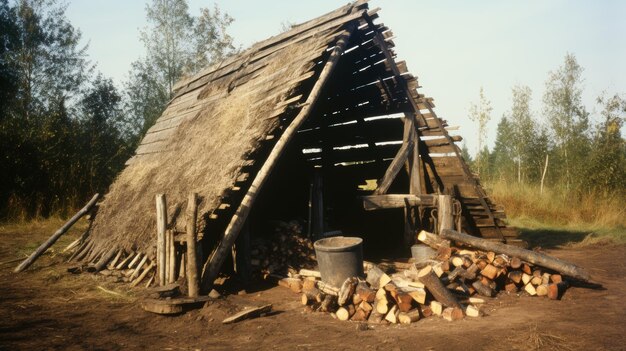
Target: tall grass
[526, 206]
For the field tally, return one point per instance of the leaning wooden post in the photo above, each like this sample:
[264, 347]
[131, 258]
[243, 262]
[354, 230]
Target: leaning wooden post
[161, 209]
[214, 263]
[45, 246]
[444, 212]
[192, 261]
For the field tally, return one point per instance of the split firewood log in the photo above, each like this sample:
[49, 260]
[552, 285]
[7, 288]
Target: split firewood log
[436, 288]
[365, 292]
[392, 315]
[347, 290]
[409, 317]
[345, 312]
[328, 304]
[436, 307]
[482, 289]
[556, 290]
[472, 311]
[452, 314]
[376, 278]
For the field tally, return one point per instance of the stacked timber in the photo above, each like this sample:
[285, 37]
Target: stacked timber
[451, 286]
[283, 252]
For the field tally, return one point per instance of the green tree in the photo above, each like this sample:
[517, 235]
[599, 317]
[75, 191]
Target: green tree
[480, 113]
[567, 118]
[607, 161]
[177, 44]
[503, 153]
[522, 128]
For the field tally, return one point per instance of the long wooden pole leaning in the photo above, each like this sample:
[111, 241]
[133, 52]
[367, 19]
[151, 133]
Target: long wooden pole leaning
[45, 246]
[514, 251]
[215, 261]
[192, 261]
[161, 209]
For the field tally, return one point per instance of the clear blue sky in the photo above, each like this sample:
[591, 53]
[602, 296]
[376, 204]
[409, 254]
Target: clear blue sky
[454, 47]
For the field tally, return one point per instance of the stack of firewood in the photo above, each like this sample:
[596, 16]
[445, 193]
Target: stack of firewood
[451, 285]
[283, 252]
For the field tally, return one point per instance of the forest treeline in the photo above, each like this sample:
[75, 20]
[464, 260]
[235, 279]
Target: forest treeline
[66, 130]
[561, 146]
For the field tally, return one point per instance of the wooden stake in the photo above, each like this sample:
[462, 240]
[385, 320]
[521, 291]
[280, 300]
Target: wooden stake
[171, 261]
[46, 245]
[161, 209]
[192, 261]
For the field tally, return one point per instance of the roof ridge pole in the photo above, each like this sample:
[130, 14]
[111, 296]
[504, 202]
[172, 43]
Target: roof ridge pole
[214, 263]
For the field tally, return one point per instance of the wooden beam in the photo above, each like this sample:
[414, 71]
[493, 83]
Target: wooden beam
[396, 164]
[379, 202]
[215, 261]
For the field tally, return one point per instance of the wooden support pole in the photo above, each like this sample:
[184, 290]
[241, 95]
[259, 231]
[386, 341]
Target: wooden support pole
[161, 209]
[444, 212]
[215, 261]
[514, 251]
[171, 258]
[192, 261]
[45, 246]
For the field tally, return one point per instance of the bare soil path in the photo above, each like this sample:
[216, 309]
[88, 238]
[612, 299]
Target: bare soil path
[46, 308]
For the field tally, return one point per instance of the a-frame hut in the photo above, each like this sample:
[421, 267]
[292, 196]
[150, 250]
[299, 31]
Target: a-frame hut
[312, 113]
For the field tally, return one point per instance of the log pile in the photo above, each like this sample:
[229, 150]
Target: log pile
[451, 286]
[283, 252]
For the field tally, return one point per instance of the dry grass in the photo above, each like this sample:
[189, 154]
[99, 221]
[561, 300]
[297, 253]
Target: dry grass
[204, 155]
[535, 339]
[569, 219]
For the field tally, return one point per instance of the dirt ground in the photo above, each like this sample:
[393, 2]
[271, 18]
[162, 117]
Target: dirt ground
[46, 308]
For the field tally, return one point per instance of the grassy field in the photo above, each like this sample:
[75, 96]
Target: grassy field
[557, 217]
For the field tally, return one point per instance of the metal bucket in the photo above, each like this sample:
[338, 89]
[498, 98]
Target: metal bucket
[339, 258]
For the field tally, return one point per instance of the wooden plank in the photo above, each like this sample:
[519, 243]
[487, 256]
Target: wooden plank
[378, 202]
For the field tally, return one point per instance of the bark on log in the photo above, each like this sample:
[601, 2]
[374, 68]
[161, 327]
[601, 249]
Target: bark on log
[347, 290]
[434, 285]
[46, 245]
[513, 251]
[192, 260]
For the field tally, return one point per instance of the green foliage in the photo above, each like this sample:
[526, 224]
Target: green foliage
[177, 45]
[584, 162]
[606, 165]
[568, 119]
